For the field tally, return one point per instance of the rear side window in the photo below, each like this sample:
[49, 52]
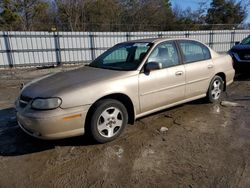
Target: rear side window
[194, 51]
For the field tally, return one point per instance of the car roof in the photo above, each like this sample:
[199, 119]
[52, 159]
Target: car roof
[156, 40]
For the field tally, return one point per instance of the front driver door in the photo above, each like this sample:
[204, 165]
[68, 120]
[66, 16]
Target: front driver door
[165, 86]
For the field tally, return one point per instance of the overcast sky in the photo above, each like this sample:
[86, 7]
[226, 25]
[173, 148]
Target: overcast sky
[194, 4]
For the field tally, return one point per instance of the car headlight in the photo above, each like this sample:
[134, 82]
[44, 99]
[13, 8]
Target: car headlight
[46, 104]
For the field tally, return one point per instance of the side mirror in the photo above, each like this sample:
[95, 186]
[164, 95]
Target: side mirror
[236, 43]
[152, 66]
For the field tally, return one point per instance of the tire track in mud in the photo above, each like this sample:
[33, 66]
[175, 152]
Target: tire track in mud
[114, 151]
[137, 138]
[139, 146]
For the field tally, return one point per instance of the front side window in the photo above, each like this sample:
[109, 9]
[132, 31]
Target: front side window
[194, 51]
[166, 54]
[125, 56]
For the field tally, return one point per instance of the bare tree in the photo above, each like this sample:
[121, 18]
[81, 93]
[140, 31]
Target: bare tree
[71, 14]
[31, 12]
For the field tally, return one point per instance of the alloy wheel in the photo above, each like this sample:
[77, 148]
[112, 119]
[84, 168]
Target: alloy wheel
[216, 89]
[110, 122]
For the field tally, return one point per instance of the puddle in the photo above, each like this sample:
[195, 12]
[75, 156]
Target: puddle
[216, 109]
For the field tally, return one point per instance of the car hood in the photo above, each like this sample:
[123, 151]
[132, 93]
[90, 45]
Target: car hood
[56, 84]
[241, 47]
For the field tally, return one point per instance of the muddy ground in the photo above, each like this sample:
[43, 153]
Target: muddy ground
[206, 145]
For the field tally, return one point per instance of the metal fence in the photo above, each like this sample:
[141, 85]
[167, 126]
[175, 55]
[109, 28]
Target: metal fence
[19, 49]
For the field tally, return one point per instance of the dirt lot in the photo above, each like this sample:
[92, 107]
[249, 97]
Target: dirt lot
[206, 145]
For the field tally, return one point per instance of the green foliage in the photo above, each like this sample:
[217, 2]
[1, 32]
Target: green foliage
[100, 18]
[225, 12]
[23, 14]
[9, 18]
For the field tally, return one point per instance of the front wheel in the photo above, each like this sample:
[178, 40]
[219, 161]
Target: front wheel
[215, 89]
[108, 120]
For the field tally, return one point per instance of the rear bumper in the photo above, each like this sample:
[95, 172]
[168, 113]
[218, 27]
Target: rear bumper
[53, 124]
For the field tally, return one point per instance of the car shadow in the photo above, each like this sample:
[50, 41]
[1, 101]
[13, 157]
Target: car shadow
[14, 142]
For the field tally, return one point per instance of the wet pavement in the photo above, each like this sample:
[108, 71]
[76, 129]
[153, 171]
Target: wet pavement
[205, 145]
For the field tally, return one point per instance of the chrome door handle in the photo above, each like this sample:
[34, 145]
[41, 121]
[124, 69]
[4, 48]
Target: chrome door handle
[179, 73]
[210, 66]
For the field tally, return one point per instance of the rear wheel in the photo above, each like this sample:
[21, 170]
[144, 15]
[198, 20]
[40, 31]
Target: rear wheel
[108, 120]
[215, 89]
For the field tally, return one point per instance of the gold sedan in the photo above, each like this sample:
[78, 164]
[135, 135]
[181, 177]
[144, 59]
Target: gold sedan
[128, 81]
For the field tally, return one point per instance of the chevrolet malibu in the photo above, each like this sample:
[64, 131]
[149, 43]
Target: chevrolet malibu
[128, 81]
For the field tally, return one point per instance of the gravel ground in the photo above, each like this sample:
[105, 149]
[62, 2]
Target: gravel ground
[202, 145]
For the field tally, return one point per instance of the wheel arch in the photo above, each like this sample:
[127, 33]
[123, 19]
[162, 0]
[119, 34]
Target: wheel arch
[124, 99]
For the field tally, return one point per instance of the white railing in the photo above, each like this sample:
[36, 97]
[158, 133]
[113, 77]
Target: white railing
[54, 48]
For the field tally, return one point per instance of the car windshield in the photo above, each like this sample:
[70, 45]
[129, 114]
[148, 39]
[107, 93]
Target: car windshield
[246, 40]
[124, 56]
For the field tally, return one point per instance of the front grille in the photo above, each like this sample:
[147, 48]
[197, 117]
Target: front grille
[24, 100]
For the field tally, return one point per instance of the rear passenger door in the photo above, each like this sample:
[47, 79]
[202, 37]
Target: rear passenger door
[198, 66]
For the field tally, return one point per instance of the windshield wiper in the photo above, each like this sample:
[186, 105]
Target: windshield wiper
[111, 68]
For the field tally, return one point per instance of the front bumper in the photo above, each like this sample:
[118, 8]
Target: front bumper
[53, 124]
[240, 64]
[237, 58]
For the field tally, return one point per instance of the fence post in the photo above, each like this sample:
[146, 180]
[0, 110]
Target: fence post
[128, 36]
[232, 38]
[8, 49]
[57, 49]
[92, 45]
[160, 35]
[211, 39]
[187, 34]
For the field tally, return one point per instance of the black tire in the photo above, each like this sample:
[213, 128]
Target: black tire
[215, 90]
[105, 125]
